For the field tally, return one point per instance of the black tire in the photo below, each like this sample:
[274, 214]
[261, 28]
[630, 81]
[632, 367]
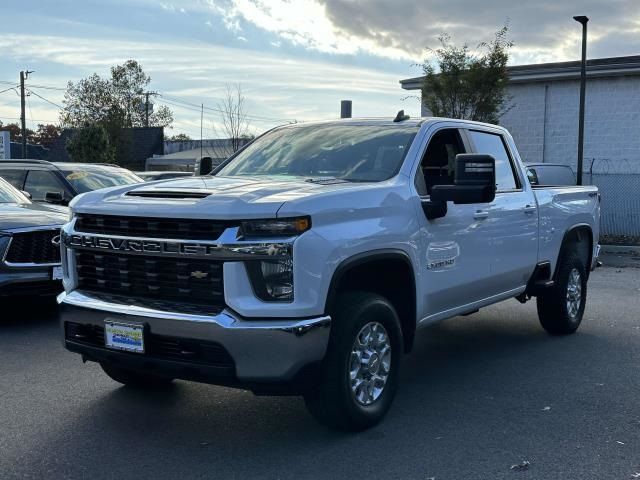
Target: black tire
[554, 312]
[332, 402]
[135, 379]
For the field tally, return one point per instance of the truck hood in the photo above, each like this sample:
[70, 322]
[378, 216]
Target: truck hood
[205, 197]
[17, 216]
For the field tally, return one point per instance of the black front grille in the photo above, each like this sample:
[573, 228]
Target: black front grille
[34, 247]
[173, 228]
[158, 346]
[166, 279]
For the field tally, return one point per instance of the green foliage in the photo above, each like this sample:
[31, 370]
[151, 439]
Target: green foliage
[116, 102]
[180, 137]
[466, 85]
[90, 144]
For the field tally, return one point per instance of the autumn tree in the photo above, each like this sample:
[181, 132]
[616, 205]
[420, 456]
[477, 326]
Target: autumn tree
[15, 132]
[467, 85]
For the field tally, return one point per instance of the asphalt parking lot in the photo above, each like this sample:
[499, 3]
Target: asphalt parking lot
[478, 395]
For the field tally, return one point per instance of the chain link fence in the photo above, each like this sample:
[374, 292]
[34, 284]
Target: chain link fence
[619, 183]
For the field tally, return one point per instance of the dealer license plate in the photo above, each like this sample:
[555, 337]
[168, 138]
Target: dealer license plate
[124, 336]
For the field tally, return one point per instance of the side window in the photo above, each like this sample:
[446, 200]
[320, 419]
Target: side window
[14, 176]
[492, 144]
[39, 182]
[439, 160]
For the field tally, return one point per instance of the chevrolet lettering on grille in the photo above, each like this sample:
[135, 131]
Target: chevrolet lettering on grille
[158, 247]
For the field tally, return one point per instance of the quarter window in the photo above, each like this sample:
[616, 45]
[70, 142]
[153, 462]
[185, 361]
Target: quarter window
[14, 177]
[492, 144]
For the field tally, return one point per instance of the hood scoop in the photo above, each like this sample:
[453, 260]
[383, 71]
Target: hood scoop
[171, 194]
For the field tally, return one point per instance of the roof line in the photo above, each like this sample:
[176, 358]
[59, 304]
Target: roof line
[597, 67]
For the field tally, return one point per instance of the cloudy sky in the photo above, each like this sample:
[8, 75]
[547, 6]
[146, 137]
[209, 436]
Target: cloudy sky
[296, 59]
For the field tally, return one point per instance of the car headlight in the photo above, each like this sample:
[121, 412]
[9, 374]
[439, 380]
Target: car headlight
[279, 227]
[272, 280]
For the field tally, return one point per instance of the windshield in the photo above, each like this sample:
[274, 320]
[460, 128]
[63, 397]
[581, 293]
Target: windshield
[356, 153]
[89, 180]
[8, 194]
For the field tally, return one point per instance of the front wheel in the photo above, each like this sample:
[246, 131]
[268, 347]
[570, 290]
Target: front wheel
[560, 309]
[359, 375]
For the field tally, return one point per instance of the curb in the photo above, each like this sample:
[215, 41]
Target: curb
[621, 249]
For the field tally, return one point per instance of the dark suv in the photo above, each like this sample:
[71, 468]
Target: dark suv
[59, 182]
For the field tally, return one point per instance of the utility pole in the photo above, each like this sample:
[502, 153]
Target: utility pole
[583, 84]
[23, 118]
[147, 107]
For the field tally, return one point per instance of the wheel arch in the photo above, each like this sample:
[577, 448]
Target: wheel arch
[581, 234]
[359, 273]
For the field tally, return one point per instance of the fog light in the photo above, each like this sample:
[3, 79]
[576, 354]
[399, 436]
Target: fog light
[272, 280]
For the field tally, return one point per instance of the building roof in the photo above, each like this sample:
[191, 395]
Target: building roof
[543, 72]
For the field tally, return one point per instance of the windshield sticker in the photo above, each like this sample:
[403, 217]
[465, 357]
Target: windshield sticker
[77, 176]
[442, 255]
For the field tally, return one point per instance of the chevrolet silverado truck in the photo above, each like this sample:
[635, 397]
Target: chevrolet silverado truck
[306, 263]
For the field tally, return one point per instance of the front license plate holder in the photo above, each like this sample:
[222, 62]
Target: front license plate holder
[128, 337]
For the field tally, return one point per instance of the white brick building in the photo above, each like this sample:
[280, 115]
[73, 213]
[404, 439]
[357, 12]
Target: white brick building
[544, 117]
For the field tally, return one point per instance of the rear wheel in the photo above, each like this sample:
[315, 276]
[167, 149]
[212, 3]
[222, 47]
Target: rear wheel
[135, 379]
[359, 375]
[560, 309]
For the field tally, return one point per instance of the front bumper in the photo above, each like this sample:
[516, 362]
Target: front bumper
[28, 281]
[269, 350]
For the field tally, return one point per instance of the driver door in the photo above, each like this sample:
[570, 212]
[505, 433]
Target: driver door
[455, 256]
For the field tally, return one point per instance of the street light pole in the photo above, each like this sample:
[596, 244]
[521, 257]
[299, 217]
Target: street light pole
[583, 84]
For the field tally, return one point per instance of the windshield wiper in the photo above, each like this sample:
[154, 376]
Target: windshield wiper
[326, 180]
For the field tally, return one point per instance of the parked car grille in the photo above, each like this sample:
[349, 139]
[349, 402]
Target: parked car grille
[158, 346]
[34, 247]
[166, 279]
[173, 228]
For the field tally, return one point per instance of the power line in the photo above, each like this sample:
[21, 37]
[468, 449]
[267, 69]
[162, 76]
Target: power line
[46, 100]
[10, 88]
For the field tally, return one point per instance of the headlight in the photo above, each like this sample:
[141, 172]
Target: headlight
[280, 227]
[272, 280]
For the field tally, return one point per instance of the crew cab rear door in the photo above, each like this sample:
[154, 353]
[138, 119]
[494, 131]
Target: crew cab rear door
[510, 222]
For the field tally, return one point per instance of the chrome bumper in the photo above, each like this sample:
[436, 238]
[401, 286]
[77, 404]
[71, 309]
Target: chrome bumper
[263, 350]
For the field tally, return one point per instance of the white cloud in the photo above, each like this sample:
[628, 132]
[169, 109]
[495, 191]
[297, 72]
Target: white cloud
[301, 22]
[276, 86]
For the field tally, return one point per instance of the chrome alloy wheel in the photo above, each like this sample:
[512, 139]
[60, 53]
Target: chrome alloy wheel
[370, 363]
[574, 293]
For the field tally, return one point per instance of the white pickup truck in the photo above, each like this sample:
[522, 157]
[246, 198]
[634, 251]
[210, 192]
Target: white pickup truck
[306, 263]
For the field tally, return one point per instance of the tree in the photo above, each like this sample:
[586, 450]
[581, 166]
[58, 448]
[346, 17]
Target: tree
[180, 137]
[234, 116]
[15, 132]
[467, 85]
[90, 144]
[115, 102]
[47, 134]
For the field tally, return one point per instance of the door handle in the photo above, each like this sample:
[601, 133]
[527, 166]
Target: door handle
[481, 215]
[529, 209]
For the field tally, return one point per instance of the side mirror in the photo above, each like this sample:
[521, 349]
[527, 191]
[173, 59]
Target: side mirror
[475, 181]
[26, 194]
[56, 198]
